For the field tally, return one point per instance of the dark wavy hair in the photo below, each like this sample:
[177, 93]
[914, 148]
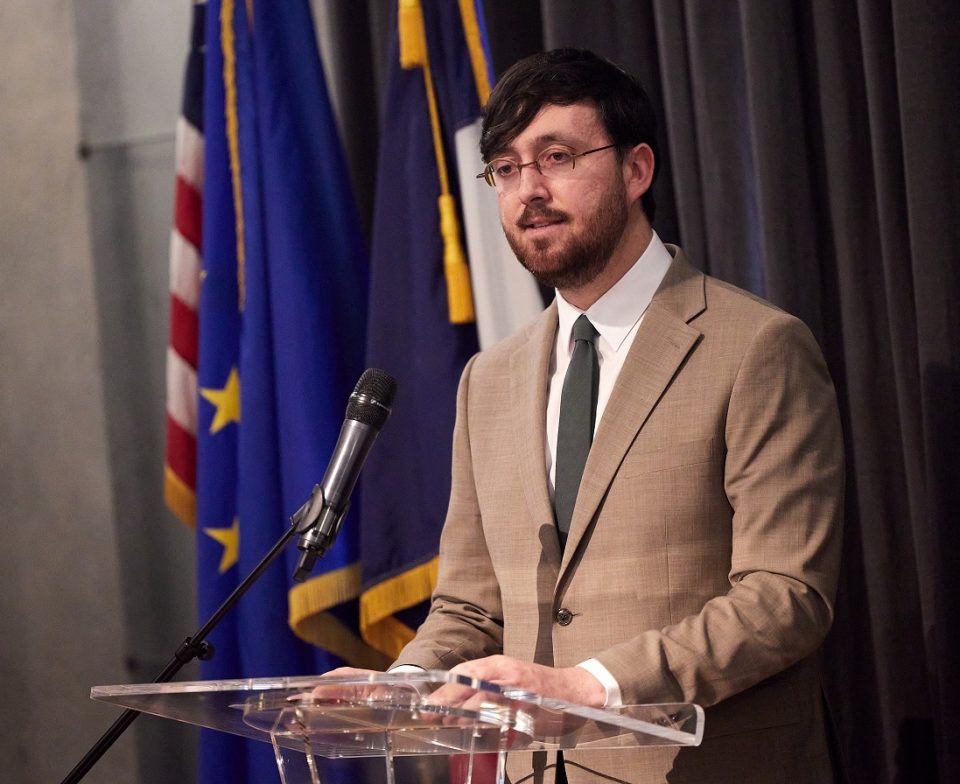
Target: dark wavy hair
[564, 77]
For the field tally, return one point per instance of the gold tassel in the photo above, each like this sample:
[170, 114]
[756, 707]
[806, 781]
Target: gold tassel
[456, 271]
[413, 37]
[413, 54]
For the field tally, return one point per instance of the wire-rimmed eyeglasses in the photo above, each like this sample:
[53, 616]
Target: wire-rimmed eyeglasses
[504, 173]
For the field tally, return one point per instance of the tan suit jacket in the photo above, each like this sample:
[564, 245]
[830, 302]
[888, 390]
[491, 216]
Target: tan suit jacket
[703, 552]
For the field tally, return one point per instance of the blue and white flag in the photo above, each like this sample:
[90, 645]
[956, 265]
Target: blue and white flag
[424, 296]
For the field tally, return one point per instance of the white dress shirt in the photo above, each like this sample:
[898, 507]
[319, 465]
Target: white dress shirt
[616, 317]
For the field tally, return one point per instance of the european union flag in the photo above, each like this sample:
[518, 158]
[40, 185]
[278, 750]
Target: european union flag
[282, 330]
[423, 298]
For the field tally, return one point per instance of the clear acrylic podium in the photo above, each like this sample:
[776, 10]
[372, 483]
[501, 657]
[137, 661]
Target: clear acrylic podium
[392, 715]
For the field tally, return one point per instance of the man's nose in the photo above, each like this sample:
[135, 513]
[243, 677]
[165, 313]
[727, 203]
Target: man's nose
[532, 184]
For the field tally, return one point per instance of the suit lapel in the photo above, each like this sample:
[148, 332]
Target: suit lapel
[663, 341]
[529, 366]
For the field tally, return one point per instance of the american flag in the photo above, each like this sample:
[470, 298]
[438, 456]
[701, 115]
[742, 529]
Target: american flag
[180, 469]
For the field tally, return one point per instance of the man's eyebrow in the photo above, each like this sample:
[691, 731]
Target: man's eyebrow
[540, 141]
[548, 138]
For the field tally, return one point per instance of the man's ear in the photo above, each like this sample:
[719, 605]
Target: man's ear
[638, 168]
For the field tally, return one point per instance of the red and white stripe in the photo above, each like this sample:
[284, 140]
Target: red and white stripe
[180, 472]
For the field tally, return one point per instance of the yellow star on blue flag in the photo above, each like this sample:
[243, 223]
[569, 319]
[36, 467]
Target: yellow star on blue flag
[226, 400]
[230, 539]
[282, 307]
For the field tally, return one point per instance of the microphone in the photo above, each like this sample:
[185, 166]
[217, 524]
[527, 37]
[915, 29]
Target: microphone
[318, 520]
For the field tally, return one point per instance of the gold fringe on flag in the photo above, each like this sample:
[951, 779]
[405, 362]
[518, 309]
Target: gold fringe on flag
[379, 603]
[478, 59]
[309, 620]
[228, 44]
[413, 54]
[179, 497]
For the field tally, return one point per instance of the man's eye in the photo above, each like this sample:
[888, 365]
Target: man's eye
[503, 168]
[555, 157]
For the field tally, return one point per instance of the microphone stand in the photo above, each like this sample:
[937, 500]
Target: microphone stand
[196, 646]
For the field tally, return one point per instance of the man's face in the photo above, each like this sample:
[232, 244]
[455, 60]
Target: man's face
[565, 229]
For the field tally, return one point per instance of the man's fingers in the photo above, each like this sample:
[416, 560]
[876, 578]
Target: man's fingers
[342, 691]
[342, 672]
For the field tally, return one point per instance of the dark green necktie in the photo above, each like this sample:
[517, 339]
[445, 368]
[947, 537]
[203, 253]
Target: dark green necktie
[578, 410]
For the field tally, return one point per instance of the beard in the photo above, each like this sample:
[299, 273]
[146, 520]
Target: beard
[575, 261]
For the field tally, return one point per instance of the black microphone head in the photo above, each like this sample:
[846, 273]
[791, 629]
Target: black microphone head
[372, 398]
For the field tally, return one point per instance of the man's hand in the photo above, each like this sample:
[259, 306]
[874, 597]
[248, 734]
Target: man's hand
[336, 691]
[573, 684]
[355, 672]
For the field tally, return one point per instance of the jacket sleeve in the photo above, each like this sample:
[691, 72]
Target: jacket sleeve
[465, 620]
[784, 479]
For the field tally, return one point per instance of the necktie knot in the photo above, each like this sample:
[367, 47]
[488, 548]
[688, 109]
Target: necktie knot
[583, 329]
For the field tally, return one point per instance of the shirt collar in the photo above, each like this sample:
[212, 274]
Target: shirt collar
[622, 305]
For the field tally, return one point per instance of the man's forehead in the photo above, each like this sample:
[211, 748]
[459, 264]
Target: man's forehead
[556, 123]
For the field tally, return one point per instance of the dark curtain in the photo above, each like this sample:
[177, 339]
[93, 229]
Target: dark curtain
[809, 154]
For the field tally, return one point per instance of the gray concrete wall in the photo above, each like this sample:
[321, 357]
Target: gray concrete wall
[96, 579]
[59, 582]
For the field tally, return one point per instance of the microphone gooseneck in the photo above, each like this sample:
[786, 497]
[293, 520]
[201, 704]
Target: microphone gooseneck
[318, 520]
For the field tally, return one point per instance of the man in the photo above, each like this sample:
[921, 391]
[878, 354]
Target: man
[696, 558]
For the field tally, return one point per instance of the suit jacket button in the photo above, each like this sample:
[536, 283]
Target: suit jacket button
[563, 616]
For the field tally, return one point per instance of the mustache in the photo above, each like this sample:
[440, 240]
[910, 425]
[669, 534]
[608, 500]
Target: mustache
[533, 212]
